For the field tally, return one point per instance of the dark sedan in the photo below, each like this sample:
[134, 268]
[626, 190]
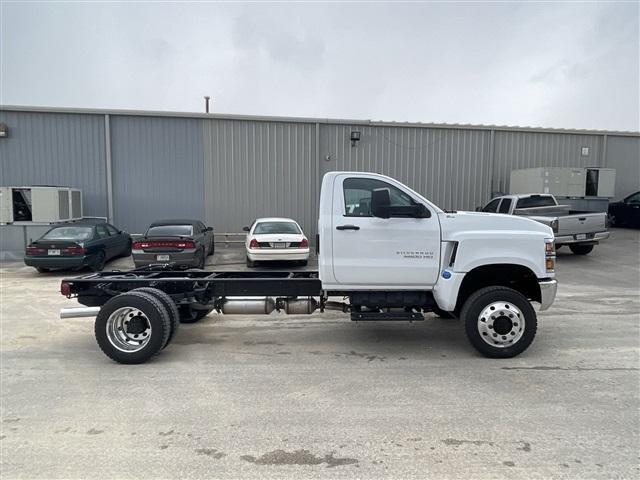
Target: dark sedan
[77, 245]
[184, 243]
[626, 213]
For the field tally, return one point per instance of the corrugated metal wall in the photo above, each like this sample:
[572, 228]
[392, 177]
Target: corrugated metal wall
[259, 169]
[56, 149]
[515, 150]
[157, 166]
[450, 167]
[623, 154]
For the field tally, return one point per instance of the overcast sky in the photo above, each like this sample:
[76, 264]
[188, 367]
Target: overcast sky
[572, 65]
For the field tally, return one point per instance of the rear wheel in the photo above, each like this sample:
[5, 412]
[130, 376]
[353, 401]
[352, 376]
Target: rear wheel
[127, 250]
[169, 305]
[250, 263]
[581, 249]
[98, 262]
[132, 327]
[192, 315]
[304, 263]
[212, 249]
[499, 322]
[201, 259]
[42, 270]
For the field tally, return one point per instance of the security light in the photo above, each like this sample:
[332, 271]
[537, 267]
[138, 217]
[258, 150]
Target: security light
[355, 138]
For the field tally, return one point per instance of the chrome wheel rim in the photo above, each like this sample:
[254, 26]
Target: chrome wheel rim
[128, 329]
[501, 324]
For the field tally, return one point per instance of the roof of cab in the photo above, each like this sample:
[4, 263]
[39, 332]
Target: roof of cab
[177, 221]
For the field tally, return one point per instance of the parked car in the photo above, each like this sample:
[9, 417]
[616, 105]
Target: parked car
[275, 239]
[581, 231]
[78, 245]
[180, 242]
[626, 213]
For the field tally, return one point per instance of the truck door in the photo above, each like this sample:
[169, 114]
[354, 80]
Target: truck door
[370, 251]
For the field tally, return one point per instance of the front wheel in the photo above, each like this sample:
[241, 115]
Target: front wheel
[499, 321]
[581, 249]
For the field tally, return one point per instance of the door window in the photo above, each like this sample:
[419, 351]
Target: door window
[112, 229]
[102, 231]
[635, 198]
[505, 205]
[492, 206]
[357, 196]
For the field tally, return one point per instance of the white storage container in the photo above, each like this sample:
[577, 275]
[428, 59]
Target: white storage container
[40, 204]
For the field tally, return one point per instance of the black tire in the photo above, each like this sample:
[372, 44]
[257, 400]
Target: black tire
[191, 315]
[201, 259]
[304, 263]
[98, 262]
[158, 321]
[612, 220]
[524, 324]
[250, 263]
[581, 249]
[442, 314]
[213, 246]
[42, 270]
[169, 305]
[127, 251]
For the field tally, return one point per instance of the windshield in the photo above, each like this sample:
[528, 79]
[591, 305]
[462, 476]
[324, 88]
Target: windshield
[276, 228]
[170, 231]
[536, 201]
[68, 233]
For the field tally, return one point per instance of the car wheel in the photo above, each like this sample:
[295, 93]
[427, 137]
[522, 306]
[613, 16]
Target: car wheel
[213, 247]
[42, 270]
[132, 327]
[201, 259]
[250, 263]
[99, 262]
[500, 322]
[169, 305]
[127, 251]
[191, 315]
[581, 249]
[304, 263]
[612, 220]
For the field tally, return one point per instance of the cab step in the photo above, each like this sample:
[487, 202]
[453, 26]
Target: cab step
[387, 316]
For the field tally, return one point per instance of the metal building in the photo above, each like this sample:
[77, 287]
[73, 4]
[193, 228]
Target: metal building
[137, 166]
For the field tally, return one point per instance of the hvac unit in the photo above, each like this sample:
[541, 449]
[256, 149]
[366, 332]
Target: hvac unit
[40, 204]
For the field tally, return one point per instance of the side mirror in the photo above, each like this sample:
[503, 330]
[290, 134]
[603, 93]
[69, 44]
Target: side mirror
[380, 203]
[245, 229]
[209, 229]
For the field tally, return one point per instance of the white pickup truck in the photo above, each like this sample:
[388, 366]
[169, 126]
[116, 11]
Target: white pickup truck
[581, 231]
[385, 250]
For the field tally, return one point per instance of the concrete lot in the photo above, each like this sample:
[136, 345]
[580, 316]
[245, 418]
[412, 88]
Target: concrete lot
[323, 397]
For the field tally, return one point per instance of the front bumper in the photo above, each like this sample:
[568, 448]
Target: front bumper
[590, 239]
[270, 254]
[548, 290]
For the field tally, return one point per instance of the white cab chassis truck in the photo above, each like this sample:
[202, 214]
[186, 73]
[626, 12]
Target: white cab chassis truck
[384, 250]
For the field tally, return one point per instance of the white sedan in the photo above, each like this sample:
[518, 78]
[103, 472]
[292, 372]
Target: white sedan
[275, 239]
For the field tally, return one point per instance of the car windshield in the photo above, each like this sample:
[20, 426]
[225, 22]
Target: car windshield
[276, 228]
[170, 231]
[536, 201]
[68, 233]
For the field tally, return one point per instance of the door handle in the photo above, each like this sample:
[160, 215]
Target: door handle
[347, 227]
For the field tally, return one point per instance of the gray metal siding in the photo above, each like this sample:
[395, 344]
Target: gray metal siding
[56, 149]
[449, 167]
[515, 150]
[157, 170]
[259, 169]
[623, 154]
